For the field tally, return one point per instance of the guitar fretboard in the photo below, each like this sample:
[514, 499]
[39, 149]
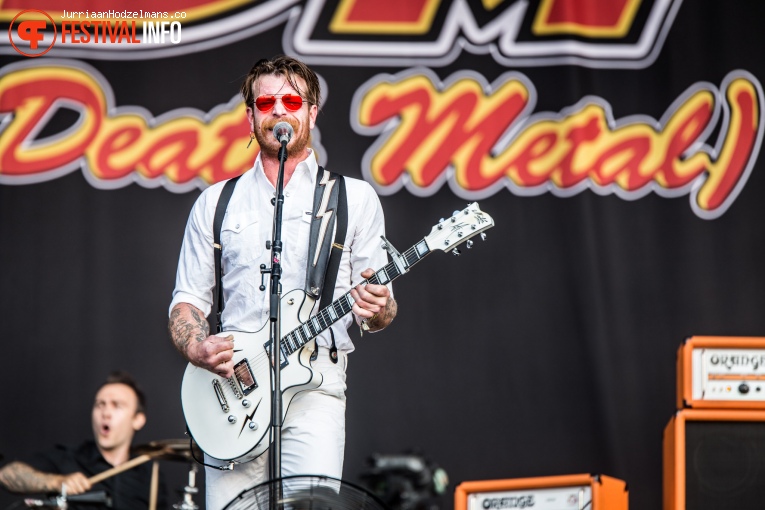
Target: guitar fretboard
[343, 305]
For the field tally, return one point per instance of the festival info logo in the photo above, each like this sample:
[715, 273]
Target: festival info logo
[34, 32]
[133, 29]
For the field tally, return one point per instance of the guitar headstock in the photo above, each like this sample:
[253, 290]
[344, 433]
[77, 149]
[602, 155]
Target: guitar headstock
[463, 225]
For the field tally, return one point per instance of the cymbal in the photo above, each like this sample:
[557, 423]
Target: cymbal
[169, 449]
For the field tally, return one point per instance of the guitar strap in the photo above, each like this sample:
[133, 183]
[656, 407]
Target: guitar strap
[220, 212]
[323, 254]
[330, 214]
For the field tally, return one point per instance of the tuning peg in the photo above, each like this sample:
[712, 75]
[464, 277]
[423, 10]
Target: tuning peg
[455, 213]
[469, 244]
[456, 252]
[483, 236]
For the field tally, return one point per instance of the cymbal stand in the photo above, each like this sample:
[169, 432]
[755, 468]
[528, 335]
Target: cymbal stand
[188, 492]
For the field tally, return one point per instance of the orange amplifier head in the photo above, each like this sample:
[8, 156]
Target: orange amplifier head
[721, 372]
[567, 492]
[713, 460]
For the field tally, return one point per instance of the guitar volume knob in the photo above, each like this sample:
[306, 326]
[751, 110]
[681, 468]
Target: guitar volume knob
[231, 418]
[253, 425]
[246, 403]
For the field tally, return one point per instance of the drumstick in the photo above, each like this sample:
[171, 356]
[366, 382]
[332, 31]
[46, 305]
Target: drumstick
[124, 467]
[154, 485]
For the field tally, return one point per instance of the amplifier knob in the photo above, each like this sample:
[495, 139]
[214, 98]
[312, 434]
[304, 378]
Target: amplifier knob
[743, 388]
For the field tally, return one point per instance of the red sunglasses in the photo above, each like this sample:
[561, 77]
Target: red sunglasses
[291, 102]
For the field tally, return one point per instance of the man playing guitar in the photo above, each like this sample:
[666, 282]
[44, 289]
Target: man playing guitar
[282, 89]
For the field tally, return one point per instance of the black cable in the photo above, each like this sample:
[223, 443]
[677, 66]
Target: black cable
[203, 463]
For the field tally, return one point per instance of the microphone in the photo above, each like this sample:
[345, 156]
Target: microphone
[283, 132]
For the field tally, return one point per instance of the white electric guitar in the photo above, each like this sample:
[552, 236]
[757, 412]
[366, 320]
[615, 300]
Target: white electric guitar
[230, 418]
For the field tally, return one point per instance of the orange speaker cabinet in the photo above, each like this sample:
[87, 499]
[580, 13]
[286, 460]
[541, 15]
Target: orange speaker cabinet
[567, 492]
[714, 459]
[721, 372]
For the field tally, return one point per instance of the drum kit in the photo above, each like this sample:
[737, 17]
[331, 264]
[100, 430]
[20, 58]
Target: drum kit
[175, 450]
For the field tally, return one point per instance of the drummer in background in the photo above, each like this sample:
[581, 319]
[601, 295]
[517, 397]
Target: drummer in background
[118, 413]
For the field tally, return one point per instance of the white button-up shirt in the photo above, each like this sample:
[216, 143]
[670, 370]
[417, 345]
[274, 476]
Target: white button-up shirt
[248, 224]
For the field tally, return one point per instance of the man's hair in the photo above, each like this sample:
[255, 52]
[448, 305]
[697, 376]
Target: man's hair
[122, 377]
[288, 67]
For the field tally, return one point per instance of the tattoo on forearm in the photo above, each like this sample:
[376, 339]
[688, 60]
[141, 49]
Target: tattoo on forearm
[179, 330]
[390, 311]
[202, 327]
[385, 316]
[19, 477]
[182, 330]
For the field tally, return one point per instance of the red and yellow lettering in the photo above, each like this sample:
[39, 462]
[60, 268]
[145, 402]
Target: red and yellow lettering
[459, 128]
[589, 18]
[432, 122]
[114, 147]
[738, 148]
[397, 17]
[29, 94]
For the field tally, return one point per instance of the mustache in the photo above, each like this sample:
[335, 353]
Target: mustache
[269, 124]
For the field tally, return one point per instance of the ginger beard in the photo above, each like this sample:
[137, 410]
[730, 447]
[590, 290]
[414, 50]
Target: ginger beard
[268, 143]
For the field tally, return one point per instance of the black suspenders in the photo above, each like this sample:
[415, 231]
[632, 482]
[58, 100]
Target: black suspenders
[220, 212]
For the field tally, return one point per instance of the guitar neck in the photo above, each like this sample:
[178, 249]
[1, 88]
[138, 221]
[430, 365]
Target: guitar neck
[343, 305]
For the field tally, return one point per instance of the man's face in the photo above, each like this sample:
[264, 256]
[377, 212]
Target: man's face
[115, 417]
[302, 121]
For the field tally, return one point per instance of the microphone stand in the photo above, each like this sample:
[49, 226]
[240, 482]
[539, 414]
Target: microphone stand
[275, 455]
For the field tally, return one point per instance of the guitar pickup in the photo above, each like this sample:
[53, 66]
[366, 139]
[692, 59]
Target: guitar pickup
[244, 376]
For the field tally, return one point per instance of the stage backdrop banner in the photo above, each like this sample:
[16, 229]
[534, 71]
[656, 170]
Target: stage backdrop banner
[616, 144]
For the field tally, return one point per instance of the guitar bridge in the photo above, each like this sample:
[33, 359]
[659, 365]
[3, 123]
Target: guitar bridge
[221, 397]
[244, 376]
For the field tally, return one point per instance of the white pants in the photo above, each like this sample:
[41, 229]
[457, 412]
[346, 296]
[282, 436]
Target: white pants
[313, 438]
